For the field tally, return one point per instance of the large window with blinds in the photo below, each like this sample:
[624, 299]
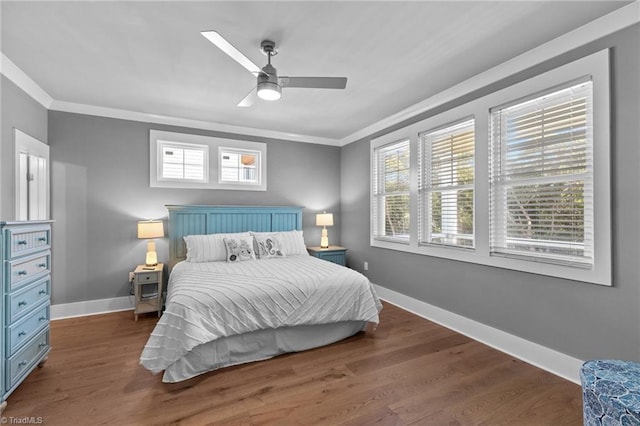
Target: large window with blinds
[542, 177]
[446, 185]
[391, 169]
[516, 179]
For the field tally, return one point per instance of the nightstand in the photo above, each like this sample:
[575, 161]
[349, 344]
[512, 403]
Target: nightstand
[147, 289]
[335, 254]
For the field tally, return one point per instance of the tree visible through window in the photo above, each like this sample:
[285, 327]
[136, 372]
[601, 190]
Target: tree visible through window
[447, 185]
[392, 171]
[542, 185]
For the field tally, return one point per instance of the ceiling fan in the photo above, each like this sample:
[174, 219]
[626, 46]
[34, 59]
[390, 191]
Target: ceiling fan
[269, 85]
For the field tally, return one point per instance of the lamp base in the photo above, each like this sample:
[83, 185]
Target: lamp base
[152, 255]
[324, 239]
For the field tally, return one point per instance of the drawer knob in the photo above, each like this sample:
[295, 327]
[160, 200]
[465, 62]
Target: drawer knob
[22, 242]
[22, 303]
[42, 345]
[42, 239]
[42, 265]
[22, 333]
[42, 292]
[22, 364]
[42, 319]
[22, 272]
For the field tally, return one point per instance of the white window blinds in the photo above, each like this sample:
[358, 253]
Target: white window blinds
[446, 185]
[239, 166]
[185, 162]
[391, 171]
[542, 178]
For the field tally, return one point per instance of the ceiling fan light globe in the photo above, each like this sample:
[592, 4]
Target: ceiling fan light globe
[269, 91]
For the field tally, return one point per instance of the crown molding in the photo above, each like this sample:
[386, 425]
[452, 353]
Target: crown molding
[608, 24]
[601, 27]
[185, 122]
[24, 82]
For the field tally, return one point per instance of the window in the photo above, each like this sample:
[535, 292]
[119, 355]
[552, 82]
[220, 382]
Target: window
[446, 171]
[516, 179]
[391, 189]
[542, 178]
[239, 166]
[180, 160]
[183, 162]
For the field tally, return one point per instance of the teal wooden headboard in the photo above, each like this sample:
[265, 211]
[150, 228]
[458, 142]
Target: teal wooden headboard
[202, 220]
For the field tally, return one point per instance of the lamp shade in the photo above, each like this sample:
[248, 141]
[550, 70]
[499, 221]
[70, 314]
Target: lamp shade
[150, 229]
[324, 219]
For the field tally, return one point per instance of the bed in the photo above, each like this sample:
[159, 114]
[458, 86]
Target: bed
[226, 306]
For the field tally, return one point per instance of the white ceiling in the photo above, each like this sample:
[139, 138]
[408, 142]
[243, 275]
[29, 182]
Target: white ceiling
[149, 57]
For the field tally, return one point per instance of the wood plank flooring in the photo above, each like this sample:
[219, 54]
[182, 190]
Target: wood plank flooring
[409, 371]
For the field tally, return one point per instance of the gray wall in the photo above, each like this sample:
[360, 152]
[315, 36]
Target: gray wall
[100, 189]
[22, 112]
[582, 320]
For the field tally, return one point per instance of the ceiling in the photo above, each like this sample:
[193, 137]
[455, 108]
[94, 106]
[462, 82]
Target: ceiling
[149, 57]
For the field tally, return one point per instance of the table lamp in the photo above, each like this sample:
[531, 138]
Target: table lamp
[150, 229]
[324, 219]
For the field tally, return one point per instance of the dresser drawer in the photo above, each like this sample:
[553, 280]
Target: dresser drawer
[23, 271]
[23, 361]
[19, 333]
[147, 277]
[23, 300]
[27, 240]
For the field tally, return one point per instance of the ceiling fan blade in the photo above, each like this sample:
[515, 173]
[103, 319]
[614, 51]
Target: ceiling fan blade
[249, 99]
[234, 53]
[314, 82]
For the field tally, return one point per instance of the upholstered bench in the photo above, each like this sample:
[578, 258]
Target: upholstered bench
[611, 392]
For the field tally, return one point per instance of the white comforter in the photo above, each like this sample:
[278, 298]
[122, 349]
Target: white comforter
[207, 301]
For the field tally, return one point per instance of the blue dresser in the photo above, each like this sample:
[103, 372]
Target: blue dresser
[25, 255]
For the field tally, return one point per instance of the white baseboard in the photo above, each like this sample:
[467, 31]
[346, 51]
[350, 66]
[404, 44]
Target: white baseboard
[91, 307]
[548, 359]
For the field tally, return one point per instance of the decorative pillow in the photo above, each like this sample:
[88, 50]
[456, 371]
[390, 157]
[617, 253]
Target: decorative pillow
[209, 248]
[269, 246]
[239, 249]
[292, 241]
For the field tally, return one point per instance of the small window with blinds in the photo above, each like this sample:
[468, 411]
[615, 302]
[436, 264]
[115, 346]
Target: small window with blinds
[239, 166]
[542, 178]
[391, 174]
[183, 162]
[446, 185]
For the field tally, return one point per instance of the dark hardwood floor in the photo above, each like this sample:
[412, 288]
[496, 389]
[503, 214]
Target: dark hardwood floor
[409, 371]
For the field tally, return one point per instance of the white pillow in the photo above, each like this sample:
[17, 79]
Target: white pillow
[209, 248]
[269, 246]
[239, 249]
[292, 241]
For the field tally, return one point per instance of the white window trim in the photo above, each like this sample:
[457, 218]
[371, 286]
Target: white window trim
[156, 137]
[26, 144]
[597, 67]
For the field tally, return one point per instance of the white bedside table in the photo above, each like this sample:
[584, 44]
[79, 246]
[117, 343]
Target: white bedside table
[147, 289]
